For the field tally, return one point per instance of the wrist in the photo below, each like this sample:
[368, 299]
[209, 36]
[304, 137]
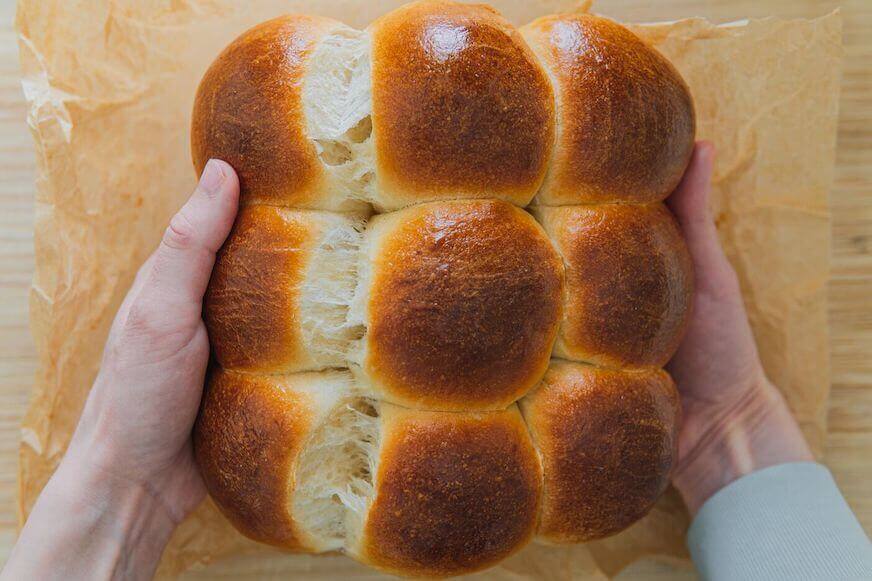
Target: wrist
[755, 432]
[87, 524]
[125, 526]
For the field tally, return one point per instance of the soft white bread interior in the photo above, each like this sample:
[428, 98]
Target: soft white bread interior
[334, 472]
[328, 289]
[337, 106]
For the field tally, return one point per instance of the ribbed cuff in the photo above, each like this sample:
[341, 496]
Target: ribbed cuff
[784, 522]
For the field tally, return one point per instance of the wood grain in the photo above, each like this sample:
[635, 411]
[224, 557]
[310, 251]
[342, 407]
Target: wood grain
[17, 355]
[849, 449]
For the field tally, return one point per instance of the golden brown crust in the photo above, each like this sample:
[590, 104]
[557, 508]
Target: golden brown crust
[455, 492]
[607, 440]
[461, 107]
[251, 307]
[629, 283]
[246, 439]
[248, 112]
[625, 117]
[464, 306]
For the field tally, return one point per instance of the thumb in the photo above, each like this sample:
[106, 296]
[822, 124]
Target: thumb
[180, 268]
[689, 203]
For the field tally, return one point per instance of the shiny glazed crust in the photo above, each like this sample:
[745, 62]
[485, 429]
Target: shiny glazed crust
[629, 283]
[439, 61]
[608, 441]
[248, 111]
[246, 439]
[251, 307]
[457, 492]
[465, 301]
[625, 116]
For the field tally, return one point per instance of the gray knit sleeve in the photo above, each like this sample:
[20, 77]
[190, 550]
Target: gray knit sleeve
[784, 522]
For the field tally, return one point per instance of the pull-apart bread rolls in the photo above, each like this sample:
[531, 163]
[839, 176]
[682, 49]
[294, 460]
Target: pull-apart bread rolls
[461, 107]
[408, 365]
[305, 463]
[317, 115]
[454, 492]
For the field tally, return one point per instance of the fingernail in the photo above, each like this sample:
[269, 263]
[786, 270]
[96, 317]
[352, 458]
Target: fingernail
[212, 178]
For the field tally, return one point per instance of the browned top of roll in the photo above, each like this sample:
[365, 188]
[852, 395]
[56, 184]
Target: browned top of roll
[607, 440]
[629, 283]
[248, 112]
[456, 492]
[246, 438]
[461, 108]
[625, 115]
[464, 305]
[251, 305]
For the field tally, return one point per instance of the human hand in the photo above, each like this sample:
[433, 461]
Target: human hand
[129, 476]
[735, 420]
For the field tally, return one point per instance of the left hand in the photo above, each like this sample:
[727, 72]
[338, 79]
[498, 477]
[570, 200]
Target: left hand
[129, 475]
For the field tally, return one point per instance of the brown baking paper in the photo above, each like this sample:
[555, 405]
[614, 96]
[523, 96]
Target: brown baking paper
[110, 87]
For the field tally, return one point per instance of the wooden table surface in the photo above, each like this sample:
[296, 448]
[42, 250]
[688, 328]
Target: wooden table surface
[849, 448]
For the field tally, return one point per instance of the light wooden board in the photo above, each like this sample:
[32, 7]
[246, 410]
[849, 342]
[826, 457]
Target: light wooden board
[849, 449]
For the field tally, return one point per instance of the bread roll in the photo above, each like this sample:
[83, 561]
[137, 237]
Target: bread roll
[461, 107]
[454, 492]
[629, 283]
[280, 289]
[607, 440]
[461, 302]
[248, 440]
[625, 116]
[273, 107]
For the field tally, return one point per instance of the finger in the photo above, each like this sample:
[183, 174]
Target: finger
[690, 199]
[689, 203]
[141, 276]
[181, 266]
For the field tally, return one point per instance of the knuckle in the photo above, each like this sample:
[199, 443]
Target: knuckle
[142, 321]
[151, 332]
[181, 233]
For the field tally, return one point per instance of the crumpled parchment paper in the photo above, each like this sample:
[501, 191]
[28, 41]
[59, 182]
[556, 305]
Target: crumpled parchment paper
[110, 85]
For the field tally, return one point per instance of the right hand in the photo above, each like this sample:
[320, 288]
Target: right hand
[735, 420]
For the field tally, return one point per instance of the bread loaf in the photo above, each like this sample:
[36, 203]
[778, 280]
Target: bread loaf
[409, 366]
